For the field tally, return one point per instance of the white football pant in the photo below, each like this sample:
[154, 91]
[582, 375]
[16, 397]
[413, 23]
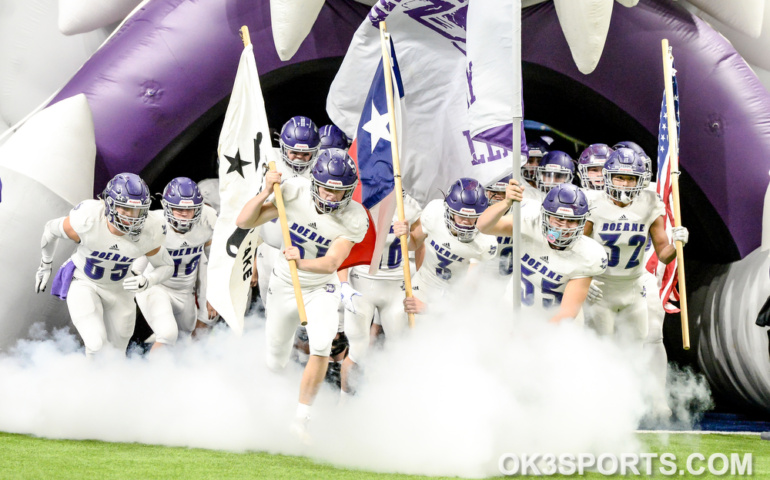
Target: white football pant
[169, 312]
[101, 316]
[382, 295]
[622, 310]
[283, 319]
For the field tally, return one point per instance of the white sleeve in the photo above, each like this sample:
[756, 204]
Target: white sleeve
[140, 264]
[52, 232]
[163, 267]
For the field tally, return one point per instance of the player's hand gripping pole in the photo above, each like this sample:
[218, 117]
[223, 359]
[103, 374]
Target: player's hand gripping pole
[673, 141]
[385, 44]
[282, 219]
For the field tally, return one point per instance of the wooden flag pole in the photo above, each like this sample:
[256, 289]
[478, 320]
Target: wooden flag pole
[282, 218]
[385, 44]
[673, 142]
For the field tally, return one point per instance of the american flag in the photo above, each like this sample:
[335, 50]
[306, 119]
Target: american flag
[668, 292]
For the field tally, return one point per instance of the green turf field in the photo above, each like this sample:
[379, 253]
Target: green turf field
[25, 457]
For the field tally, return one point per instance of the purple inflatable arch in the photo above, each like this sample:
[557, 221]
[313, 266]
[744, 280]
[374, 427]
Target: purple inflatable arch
[725, 110]
[174, 60]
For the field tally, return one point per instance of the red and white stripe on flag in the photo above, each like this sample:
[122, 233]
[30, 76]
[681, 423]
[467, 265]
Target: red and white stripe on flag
[668, 273]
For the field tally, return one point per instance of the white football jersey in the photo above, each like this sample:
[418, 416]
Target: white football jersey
[105, 258]
[390, 262]
[532, 195]
[545, 271]
[186, 249]
[271, 231]
[623, 231]
[446, 258]
[501, 265]
[312, 233]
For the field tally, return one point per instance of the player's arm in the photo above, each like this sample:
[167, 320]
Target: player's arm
[163, 268]
[416, 237]
[494, 221]
[419, 252]
[666, 251]
[329, 263]
[52, 232]
[258, 210]
[572, 301]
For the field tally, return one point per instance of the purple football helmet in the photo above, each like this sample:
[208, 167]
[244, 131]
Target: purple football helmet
[333, 137]
[299, 135]
[624, 161]
[646, 158]
[333, 170]
[466, 198]
[594, 156]
[556, 167]
[564, 205]
[127, 191]
[183, 194]
[536, 150]
[497, 188]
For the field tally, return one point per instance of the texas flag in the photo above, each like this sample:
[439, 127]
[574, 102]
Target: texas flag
[371, 150]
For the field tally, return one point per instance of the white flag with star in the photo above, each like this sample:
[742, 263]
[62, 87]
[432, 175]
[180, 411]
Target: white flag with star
[244, 148]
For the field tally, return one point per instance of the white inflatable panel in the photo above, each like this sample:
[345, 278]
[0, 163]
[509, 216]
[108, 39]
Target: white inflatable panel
[57, 148]
[80, 16]
[753, 49]
[291, 22]
[743, 15]
[628, 3]
[47, 167]
[36, 59]
[585, 24]
[26, 207]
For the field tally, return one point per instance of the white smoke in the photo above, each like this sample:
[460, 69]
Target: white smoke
[458, 392]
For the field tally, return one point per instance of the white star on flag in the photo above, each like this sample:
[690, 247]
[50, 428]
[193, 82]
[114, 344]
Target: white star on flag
[377, 126]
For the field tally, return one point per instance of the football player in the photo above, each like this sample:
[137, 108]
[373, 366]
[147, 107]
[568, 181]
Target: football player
[536, 150]
[169, 307]
[324, 225]
[556, 167]
[332, 137]
[622, 217]
[299, 142]
[557, 261]
[97, 282]
[591, 166]
[645, 158]
[381, 292]
[653, 345]
[452, 242]
[499, 268]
